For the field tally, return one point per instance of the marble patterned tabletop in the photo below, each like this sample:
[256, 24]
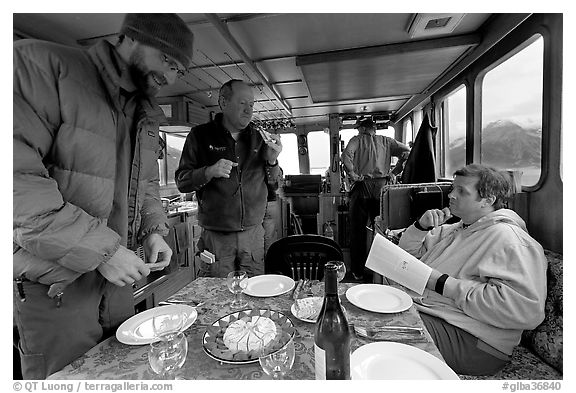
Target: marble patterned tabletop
[112, 360]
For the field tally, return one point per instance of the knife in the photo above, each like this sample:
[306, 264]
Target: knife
[191, 303]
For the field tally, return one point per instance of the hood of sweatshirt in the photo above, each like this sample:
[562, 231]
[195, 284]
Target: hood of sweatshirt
[505, 216]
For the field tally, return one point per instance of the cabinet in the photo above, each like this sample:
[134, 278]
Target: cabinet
[183, 240]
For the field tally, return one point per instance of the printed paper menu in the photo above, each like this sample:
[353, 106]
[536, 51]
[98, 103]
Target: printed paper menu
[393, 262]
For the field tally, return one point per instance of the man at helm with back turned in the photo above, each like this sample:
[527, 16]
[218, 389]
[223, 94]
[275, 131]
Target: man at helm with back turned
[367, 159]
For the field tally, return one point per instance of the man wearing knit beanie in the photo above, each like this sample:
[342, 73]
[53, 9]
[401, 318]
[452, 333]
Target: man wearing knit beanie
[86, 192]
[149, 40]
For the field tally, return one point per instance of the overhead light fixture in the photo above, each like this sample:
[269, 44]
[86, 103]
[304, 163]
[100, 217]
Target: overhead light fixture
[426, 25]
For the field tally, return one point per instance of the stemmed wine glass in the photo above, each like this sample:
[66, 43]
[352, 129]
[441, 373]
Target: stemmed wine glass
[167, 356]
[278, 363]
[237, 281]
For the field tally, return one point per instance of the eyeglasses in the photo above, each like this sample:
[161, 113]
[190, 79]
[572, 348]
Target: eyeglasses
[173, 65]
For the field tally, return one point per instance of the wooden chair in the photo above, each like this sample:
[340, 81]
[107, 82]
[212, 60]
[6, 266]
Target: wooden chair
[301, 256]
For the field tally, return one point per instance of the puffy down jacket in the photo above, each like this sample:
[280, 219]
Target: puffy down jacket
[67, 115]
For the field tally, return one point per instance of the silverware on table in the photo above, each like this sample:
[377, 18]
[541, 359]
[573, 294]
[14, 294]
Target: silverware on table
[296, 293]
[295, 290]
[191, 303]
[390, 333]
[307, 287]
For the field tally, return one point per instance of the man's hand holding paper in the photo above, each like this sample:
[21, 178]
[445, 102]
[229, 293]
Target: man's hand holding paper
[393, 262]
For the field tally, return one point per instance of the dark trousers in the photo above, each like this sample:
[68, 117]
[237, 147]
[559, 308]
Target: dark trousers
[52, 335]
[463, 352]
[364, 207]
[242, 250]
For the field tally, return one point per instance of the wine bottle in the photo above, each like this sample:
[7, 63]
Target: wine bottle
[332, 336]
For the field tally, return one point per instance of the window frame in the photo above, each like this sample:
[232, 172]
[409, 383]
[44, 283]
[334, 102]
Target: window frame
[296, 157]
[444, 128]
[317, 132]
[470, 77]
[480, 84]
[163, 163]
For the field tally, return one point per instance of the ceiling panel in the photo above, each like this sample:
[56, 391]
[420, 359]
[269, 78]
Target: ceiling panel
[380, 76]
[274, 43]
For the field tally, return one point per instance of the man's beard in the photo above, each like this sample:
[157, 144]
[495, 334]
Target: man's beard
[142, 76]
[143, 80]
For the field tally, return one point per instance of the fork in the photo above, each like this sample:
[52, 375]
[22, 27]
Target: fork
[388, 333]
[296, 293]
[306, 286]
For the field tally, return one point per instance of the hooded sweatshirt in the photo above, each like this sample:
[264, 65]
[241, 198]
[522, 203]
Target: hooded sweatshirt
[497, 283]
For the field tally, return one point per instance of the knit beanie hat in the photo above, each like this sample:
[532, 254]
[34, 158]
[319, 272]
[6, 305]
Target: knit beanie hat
[165, 32]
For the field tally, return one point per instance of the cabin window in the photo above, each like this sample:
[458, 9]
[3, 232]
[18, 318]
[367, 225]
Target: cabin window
[388, 131]
[346, 135]
[169, 163]
[417, 119]
[454, 130]
[408, 131]
[288, 158]
[319, 152]
[161, 166]
[512, 113]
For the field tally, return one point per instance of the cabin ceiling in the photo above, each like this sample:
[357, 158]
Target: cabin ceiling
[303, 66]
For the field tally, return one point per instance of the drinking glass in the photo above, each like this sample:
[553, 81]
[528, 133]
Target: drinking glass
[169, 324]
[168, 355]
[278, 363]
[237, 281]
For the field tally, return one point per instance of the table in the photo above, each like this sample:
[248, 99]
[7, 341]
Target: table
[111, 359]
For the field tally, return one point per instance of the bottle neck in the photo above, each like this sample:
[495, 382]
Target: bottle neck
[330, 281]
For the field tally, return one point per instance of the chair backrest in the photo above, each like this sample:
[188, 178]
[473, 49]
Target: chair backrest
[401, 204]
[301, 256]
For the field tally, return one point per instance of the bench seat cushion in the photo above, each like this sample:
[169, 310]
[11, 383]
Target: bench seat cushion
[524, 365]
[547, 340]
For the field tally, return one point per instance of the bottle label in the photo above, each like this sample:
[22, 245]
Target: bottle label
[319, 362]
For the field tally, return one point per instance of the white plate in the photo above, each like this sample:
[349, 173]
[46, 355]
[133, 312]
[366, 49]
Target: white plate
[379, 298]
[268, 285]
[138, 330]
[308, 306]
[390, 360]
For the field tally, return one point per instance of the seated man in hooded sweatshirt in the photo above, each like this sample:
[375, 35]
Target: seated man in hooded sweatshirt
[488, 282]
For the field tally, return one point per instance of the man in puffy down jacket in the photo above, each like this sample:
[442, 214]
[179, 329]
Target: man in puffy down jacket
[86, 189]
